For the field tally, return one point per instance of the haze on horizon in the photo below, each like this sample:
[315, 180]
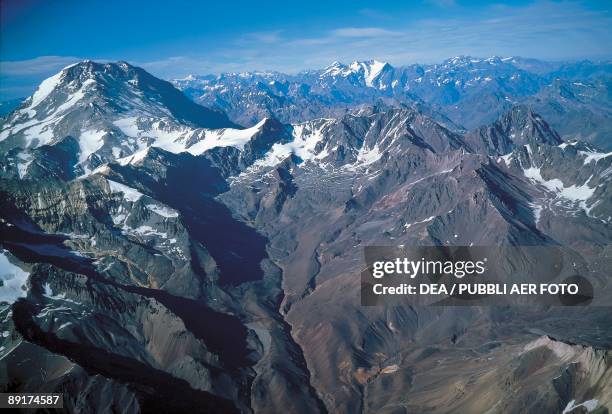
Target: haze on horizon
[173, 39]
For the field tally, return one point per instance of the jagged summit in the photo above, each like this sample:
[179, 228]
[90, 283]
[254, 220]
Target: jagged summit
[366, 72]
[516, 127]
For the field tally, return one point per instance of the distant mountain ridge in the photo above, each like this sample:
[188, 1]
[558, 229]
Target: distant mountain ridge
[468, 91]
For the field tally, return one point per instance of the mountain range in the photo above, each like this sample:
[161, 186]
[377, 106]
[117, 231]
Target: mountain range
[462, 92]
[159, 255]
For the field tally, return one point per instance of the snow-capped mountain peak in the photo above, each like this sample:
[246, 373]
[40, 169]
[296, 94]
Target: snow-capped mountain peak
[366, 72]
[91, 102]
[371, 70]
[336, 69]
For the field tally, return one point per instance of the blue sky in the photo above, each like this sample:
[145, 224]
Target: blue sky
[175, 38]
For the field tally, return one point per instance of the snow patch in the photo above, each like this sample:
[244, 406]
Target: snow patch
[368, 156]
[90, 142]
[537, 212]
[577, 194]
[22, 169]
[177, 139]
[129, 193]
[134, 158]
[13, 280]
[228, 137]
[75, 97]
[567, 144]
[507, 159]
[589, 405]
[427, 220]
[306, 136]
[390, 369]
[162, 210]
[573, 192]
[149, 231]
[594, 156]
[373, 71]
[45, 88]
